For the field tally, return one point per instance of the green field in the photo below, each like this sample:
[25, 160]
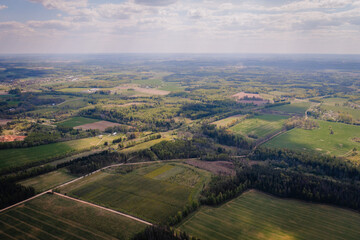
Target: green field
[319, 139]
[255, 215]
[261, 126]
[228, 121]
[154, 192]
[53, 217]
[293, 108]
[77, 121]
[16, 157]
[48, 180]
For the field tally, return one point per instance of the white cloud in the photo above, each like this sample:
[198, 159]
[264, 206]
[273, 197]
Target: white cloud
[155, 2]
[63, 5]
[51, 24]
[200, 22]
[3, 7]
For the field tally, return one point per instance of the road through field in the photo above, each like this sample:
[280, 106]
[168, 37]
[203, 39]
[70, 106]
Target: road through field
[107, 209]
[76, 179]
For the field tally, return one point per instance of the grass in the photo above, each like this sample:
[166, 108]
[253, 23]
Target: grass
[48, 180]
[228, 121]
[319, 139]
[255, 215]
[260, 126]
[53, 217]
[77, 121]
[144, 145]
[22, 156]
[139, 192]
[293, 108]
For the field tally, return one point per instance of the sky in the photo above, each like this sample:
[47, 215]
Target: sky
[180, 26]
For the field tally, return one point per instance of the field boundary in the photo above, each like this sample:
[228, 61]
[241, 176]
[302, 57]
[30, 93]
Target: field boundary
[76, 179]
[104, 208]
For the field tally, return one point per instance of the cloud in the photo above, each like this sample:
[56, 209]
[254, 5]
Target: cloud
[176, 22]
[119, 11]
[155, 2]
[11, 25]
[3, 7]
[196, 13]
[63, 5]
[51, 24]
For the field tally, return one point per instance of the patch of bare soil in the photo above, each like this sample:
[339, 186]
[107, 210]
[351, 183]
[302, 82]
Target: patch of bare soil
[217, 167]
[251, 98]
[243, 95]
[146, 90]
[11, 138]
[101, 125]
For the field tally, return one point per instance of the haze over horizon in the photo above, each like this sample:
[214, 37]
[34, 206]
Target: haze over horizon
[173, 26]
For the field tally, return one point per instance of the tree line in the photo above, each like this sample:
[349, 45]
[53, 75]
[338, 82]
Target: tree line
[282, 183]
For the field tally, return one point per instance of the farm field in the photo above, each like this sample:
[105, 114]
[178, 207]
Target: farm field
[54, 217]
[144, 145]
[48, 180]
[153, 192]
[293, 108]
[77, 121]
[319, 139]
[22, 156]
[100, 125]
[255, 215]
[260, 126]
[228, 121]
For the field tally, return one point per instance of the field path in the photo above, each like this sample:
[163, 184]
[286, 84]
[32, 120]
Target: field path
[76, 179]
[104, 208]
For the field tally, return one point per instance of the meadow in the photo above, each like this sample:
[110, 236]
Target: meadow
[16, 157]
[154, 192]
[260, 126]
[319, 139]
[255, 215]
[54, 217]
[228, 121]
[47, 181]
[293, 108]
[77, 121]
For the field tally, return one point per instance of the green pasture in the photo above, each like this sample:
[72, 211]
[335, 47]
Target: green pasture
[54, 217]
[48, 180]
[77, 121]
[293, 108]
[255, 215]
[260, 126]
[320, 139]
[16, 157]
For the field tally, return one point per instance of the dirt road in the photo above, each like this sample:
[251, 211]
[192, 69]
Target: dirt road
[107, 209]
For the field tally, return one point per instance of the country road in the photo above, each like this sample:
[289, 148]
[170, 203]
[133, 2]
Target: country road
[107, 209]
[76, 179]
